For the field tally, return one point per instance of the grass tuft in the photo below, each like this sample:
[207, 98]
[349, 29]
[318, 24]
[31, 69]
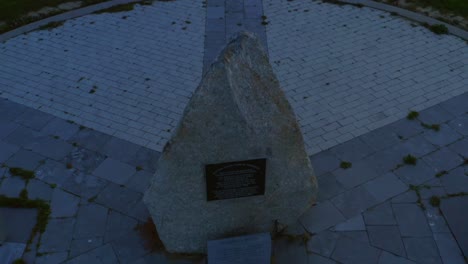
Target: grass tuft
[51, 25]
[438, 29]
[25, 174]
[117, 9]
[412, 115]
[434, 201]
[345, 165]
[410, 159]
[435, 127]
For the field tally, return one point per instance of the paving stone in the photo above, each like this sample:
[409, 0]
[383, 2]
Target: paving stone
[354, 201]
[84, 160]
[83, 185]
[406, 128]
[63, 203]
[119, 198]
[34, 119]
[380, 215]
[388, 258]
[456, 106]
[443, 160]
[6, 128]
[411, 220]
[25, 159]
[317, 259]
[295, 229]
[139, 181]
[39, 190]
[140, 211]
[321, 217]
[61, 128]
[352, 150]
[52, 258]
[24, 136]
[118, 225]
[53, 172]
[359, 173]
[323, 243]
[147, 159]
[406, 197]
[460, 125]
[360, 236]
[384, 161]
[456, 180]
[386, 238]
[456, 219]
[324, 162]
[58, 235]
[448, 248]
[444, 136]
[435, 115]
[460, 147]
[6, 151]
[350, 251]
[12, 187]
[416, 174]
[120, 149]
[285, 251]
[90, 221]
[418, 146]
[51, 148]
[114, 171]
[381, 138]
[435, 218]
[90, 139]
[354, 224]
[422, 249]
[19, 223]
[10, 110]
[329, 187]
[129, 247]
[80, 246]
[102, 255]
[385, 187]
[9, 252]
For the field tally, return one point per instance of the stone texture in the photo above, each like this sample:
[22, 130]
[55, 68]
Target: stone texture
[18, 222]
[321, 217]
[456, 219]
[411, 220]
[249, 117]
[350, 251]
[387, 238]
[114, 171]
[323, 243]
[63, 204]
[91, 221]
[422, 250]
[58, 235]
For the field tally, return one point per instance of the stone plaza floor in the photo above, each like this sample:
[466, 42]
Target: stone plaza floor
[89, 105]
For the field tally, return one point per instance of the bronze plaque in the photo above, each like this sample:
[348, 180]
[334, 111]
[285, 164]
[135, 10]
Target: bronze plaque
[235, 179]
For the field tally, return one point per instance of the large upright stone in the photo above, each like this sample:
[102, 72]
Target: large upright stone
[237, 113]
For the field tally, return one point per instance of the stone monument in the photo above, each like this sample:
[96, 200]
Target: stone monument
[236, 163]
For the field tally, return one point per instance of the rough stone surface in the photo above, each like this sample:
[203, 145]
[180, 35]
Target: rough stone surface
[238, 113]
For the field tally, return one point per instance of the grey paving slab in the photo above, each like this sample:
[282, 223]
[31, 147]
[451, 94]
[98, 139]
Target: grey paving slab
[456, 180]
[90, 139]
[58, 235]
[9, 252]
[6, 127]
[386, 160]
[457, 105]
[80, 246]
[360, 236]
[329, 187]
[51, 148]
[406, 197]
[352, 150]
[118, 225]
[139, 181]
[422, 249]
[120, 149]
[140, 211]
[317, 259]
[19, 223]
[460, 147]
[102, 255]
[114, 171]
[91, 221]
[60, 128]
[385, 187]
[381, 138]
[388, 258]
[63, 204]
[435, 115]
[460, 124]
[323, 243]
[416, 174]
[443, 160]
[435, 219]
[324, 162]
[380, 215]
[354, 201]
[147, 159]
[448, 248]
[25, 159]
[350, 251]
[39, 190]
[34, 119]
[119, 198]
[10, 111]
[321, 217]
[285, 251]
[52, 258]
[444, 136]
[6, 151]
[418, 146]
[23, 136]
[359, 173]
[353, 224]
[53, 172]
[84, 185]
[387, 238]
[406, 128]
[130, 247]
[12, 186]
[411, 220]
[84, 160]
[456, 219]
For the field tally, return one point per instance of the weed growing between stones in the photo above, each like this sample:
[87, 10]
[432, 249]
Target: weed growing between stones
[417, 190]
[264, 20]
[117, 8]
[92, 199]
[410, 159]
[19, 261]
[438, 29]
[434, 201]
[280, 232]
[345, 165]
[441, 173]
[51, 25]
[69, 166]
[138, 168]
[412, 115]
[435, 127]
[25, 174]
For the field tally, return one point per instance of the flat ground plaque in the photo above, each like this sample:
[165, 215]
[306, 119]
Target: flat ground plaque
[235, 179]
[251, 249]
